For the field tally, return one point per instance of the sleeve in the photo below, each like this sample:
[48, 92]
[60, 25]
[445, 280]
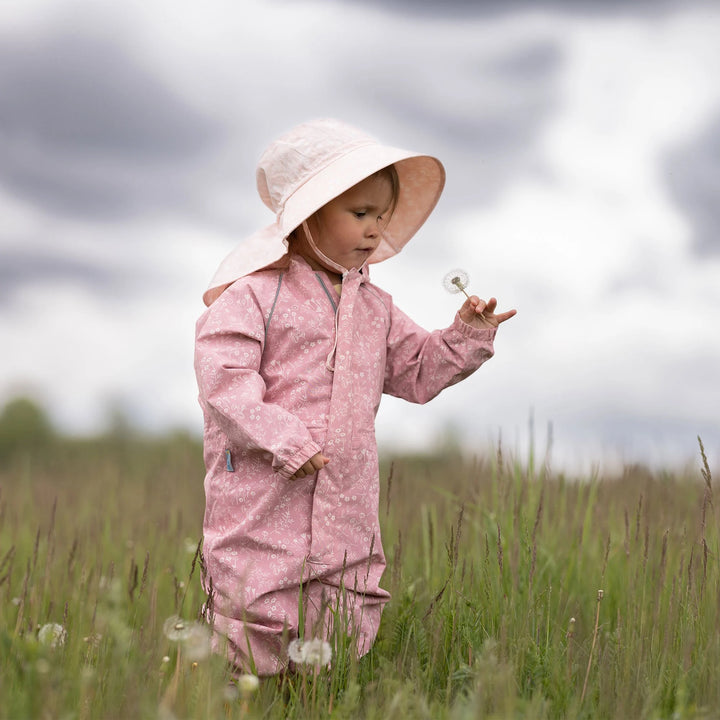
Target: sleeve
[420, 364]
[228, 349]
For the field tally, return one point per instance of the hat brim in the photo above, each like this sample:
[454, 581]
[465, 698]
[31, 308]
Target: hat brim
[421, 180]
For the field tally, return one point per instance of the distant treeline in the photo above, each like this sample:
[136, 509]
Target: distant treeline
[27, 434]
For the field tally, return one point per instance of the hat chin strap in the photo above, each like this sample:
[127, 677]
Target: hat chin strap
[322, 256]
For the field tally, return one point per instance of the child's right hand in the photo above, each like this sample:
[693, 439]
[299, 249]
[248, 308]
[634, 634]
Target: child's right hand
[315, 463]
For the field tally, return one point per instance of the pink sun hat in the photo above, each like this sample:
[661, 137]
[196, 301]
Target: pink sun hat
[312, 164]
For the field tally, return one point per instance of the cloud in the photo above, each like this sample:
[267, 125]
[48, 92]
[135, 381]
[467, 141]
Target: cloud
[581, 157]
[21, 267]
[90, 131]
[693, 175]
[473, 8]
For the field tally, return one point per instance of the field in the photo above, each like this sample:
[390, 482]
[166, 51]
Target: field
[517, 592]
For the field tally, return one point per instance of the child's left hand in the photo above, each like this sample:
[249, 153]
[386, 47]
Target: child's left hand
[481, 314]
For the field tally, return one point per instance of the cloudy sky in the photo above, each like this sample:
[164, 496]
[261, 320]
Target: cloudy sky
[582, 145]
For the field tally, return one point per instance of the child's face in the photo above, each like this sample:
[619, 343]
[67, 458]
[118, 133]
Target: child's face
[348, 228]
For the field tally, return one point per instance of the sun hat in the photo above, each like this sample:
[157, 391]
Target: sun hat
[312, 164]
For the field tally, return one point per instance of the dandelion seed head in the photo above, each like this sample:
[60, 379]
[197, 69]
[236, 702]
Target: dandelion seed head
[190, 545]
[52, 635]
[295, 651]
[176, 629]
[247, 684]
[230, 692]
[197, 645]
[456, 281]
[310, 652]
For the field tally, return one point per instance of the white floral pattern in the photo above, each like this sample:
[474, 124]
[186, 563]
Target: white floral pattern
[269, 398]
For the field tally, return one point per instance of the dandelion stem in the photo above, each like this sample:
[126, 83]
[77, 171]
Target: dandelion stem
[592, 647]
[458, 283]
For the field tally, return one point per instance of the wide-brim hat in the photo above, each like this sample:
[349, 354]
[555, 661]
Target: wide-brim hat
[312, 164]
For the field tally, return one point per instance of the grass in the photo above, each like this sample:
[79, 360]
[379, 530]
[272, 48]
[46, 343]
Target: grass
[516, 593]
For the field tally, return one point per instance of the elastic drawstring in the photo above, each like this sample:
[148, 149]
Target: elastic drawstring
[321, 255]
[329, 364]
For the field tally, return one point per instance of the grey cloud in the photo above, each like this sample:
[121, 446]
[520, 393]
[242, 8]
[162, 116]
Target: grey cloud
[87, 130]
[475, 8]
[486, 113]
[23, 267]
[693, 175]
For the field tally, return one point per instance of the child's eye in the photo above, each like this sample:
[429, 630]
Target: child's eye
[360, 213]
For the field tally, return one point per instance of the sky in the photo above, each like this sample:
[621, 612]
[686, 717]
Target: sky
[582, 147]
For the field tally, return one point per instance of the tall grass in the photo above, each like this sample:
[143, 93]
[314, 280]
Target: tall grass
[516, 593]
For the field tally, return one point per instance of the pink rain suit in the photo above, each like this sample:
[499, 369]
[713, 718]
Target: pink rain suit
[286, 368]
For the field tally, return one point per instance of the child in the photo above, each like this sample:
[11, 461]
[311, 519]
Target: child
[292, 357]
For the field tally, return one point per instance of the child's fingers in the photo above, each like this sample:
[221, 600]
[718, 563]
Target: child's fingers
[502, 317]
[311, 466]
[318, 462]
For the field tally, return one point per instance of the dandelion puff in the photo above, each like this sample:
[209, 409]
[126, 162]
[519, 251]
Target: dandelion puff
[230, 692]
[296, 652]
[317, 652]
[456, 281]
[177, 629]
[197, 645]
[190, 545]
[247, 684]
[52, 635]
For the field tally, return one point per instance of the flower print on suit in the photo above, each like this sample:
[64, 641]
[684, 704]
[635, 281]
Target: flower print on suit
[264, 353]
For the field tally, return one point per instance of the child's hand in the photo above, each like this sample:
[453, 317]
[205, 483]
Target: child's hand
[315, 463]
[481, 314]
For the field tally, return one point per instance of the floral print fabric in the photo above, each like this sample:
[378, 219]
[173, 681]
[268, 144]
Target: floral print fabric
[287, 368]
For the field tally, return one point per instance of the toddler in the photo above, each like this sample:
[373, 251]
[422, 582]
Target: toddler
[293, 354]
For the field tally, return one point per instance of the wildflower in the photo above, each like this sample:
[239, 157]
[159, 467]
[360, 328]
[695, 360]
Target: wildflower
[317, 652]
[197, 644]
[52, 635]
[311, 652]
[194, 637]
[177, 629]
[295, 651]
[190, 546]
[247, 684]
[456, 281]
[230, 692]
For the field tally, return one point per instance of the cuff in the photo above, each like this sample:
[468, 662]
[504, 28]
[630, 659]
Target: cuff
[299, 459]
[472, 332]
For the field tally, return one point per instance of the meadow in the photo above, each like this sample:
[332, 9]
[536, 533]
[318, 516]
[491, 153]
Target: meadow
[517, 592]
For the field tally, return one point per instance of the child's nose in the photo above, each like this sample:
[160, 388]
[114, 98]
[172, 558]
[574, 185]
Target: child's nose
[372, 229]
